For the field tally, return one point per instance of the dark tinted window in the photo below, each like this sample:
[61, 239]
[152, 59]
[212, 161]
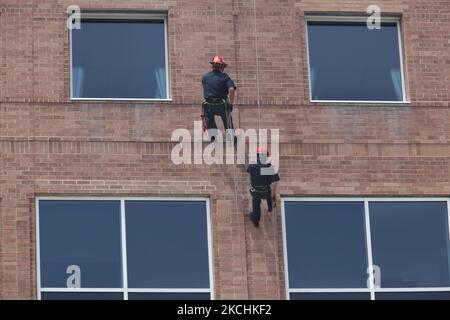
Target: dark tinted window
[330, 296]
[350, 62]
[167, 244]
[410, 243]
[81, 233]
[326, 244]
[119, 59]
[167, 247]
[81, 296]
[412, 296]
[168, 296]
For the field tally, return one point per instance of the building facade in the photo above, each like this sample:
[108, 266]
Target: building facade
[92, 205]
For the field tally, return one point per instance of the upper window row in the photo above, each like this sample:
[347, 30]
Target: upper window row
[126, 58]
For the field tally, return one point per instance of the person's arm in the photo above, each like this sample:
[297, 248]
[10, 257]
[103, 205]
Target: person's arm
[231, 89]
[231, 94]
[203, 87]
[274, 188]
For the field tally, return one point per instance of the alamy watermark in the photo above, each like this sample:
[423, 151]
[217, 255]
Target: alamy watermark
[74, 280]
[374, 20]
[189, 149]
[74, 19]
[374, 277]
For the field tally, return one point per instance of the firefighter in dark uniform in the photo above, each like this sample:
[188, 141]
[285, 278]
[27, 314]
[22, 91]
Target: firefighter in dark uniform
[218, 91]
[263, 186]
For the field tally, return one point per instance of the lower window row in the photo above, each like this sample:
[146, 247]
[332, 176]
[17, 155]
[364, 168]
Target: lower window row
[335, 249]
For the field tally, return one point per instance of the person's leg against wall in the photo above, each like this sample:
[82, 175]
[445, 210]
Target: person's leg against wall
[210, 122]
[209, 117]
[227, 120]
[255, 215]
[269, 202]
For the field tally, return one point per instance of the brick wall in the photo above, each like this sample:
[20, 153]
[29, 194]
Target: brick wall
[50, 145]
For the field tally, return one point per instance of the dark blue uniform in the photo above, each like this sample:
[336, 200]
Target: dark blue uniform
[260, 188]
[216, 85]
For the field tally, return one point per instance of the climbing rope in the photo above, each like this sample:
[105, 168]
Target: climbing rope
[215, 21]
[236, 200]
[255, 29]
[274, 217]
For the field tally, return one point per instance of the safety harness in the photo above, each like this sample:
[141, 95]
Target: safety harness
[260, 189]
[215, 102]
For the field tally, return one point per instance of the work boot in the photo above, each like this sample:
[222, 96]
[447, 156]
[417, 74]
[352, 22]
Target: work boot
[254, 221]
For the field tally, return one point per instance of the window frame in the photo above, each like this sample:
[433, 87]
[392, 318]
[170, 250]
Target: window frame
[125, 290]
[372, 290]
[334, 18]
[123, 16]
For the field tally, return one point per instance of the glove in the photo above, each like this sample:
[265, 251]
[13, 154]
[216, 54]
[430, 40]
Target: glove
[276, 200]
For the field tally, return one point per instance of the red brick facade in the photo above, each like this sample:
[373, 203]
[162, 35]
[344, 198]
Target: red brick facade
[50, 145]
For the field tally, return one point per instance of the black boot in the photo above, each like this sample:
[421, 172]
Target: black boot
[254, 221]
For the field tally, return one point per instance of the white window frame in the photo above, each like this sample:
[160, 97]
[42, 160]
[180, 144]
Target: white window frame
[125, 290]
[324, 18]
[123, 16]
[365, 200]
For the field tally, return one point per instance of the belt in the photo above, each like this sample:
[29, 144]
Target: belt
[260, 189]
[215, 101]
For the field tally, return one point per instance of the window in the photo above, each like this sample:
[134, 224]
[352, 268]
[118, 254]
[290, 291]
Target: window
[349, 62]
[119, 56]
[128, 248]
[331, 246]
[410, 243]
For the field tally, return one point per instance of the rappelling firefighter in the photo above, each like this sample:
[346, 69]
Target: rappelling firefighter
[218, 92]
[263, 184]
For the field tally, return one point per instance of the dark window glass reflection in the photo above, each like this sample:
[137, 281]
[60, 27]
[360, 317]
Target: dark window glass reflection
[412, 296]
[410, 243]
[82, 233]
[350, 62]
[326, 244]
[168, 296]
[81, 296]
[330, 296]
[167, 244]
[119, 59]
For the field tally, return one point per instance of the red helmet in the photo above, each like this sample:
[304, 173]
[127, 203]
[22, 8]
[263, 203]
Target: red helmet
[218, 59]
[261, 150]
